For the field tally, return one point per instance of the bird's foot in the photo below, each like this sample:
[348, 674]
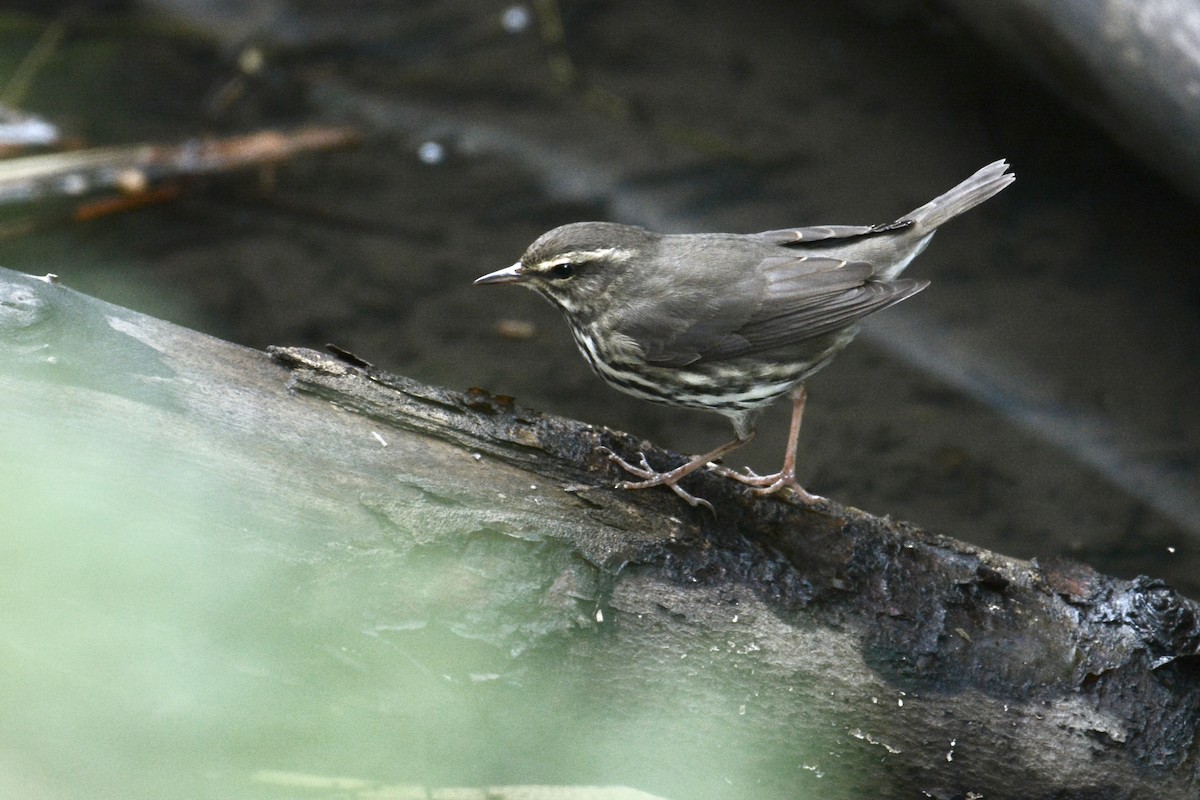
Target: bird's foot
[651, 477]
[769, 484]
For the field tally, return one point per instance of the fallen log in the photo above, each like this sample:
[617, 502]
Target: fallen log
[767, 649]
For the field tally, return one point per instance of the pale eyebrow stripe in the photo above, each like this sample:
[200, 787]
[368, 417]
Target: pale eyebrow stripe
[575, 256]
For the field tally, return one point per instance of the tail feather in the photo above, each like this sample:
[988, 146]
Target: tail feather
[984, 184]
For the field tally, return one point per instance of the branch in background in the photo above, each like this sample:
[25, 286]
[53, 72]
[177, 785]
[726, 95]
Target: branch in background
[143, 173]
[134, 168]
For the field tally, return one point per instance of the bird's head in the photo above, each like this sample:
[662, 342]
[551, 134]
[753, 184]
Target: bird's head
[573, 265]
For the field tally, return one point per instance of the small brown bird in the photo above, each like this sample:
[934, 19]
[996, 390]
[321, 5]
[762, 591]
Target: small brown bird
[728, 322]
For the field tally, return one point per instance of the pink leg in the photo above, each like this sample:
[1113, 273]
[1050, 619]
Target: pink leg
[786, 477]
[671, 478]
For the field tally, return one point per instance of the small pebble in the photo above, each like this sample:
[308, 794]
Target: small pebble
[516, 329]
[132, 181]
[431, 153]
[251, 61]
[73, 184]
[516, 18]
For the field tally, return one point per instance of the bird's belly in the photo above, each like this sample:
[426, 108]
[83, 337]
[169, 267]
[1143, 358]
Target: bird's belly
[720, 387]
[736, 384]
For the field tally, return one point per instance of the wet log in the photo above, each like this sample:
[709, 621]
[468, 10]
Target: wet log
[948, 669]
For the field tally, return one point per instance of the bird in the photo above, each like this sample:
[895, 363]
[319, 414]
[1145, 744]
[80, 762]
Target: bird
[728, 322]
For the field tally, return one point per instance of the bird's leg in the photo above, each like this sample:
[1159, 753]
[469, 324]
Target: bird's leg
[671, 478]
[786, 477]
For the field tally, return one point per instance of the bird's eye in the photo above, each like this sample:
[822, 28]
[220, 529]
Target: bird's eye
[560, 272]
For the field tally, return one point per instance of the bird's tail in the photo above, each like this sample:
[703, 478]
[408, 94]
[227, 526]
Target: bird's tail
[974, 190]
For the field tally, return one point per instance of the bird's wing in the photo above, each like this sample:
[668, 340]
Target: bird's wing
[821, 317]
[787, 300]
[817, 233]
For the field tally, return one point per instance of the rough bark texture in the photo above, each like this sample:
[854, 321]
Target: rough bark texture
[961, 669]
[1049, 675]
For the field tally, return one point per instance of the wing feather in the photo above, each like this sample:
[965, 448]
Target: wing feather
[817, 233]
[787, 300]
[822, 317]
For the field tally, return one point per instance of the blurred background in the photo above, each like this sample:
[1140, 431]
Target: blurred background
[1038, 399]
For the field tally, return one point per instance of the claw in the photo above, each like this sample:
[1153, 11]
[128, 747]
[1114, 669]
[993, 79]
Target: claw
[650, 477]
[763, 485]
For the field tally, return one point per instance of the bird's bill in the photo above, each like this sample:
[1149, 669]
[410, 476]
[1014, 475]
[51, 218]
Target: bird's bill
[507, 275]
